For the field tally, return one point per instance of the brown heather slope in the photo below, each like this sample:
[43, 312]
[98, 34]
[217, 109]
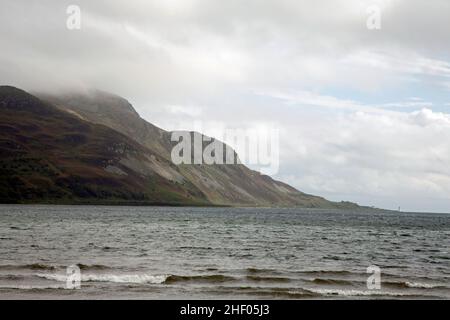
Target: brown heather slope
[50, 156]
[234, 185]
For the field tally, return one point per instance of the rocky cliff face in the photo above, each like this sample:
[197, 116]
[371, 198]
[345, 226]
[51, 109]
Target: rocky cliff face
[222, 184]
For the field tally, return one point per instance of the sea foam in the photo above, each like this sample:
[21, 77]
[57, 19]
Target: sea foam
[116, 278]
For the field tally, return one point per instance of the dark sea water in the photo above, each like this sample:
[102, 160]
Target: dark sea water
[221, 253]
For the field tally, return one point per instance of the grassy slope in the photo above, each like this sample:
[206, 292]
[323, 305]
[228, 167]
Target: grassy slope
[50, 156]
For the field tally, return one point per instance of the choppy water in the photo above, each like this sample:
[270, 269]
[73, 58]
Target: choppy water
[221, 253]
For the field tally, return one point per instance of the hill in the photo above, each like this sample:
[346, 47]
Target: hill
[221, 184]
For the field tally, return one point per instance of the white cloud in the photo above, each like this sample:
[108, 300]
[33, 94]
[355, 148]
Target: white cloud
[407, 104]
[390, 155]
[402, 61]
[184, 61]
[190, 111]
[313, 99]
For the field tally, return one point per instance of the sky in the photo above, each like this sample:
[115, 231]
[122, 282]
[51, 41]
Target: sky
[363, 113]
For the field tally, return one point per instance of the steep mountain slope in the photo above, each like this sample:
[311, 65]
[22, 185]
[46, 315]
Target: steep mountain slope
[221, 184]
[48, 155]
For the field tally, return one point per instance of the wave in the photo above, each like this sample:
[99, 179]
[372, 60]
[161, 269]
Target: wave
[116, 278]
[256, 270]
[283, 294]
[330, 272]
[93, 266]
[140, 278]
[32, 266]
[410, 284]
[395, 284]
[331, 281]
[50, 267]
[32, 287]
[274, 292]
[422, 285]
[440, 257]
[268, 279]
[13, 277]
[200, 278]
[351, 292]
[18, 228]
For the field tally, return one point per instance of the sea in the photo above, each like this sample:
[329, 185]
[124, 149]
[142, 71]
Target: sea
[120, 252]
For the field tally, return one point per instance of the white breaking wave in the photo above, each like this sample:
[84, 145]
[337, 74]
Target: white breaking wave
[421, 285]
[33, 287]
[343, 292]
[122, 278]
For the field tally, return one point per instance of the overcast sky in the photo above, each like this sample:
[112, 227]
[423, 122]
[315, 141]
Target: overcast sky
[364, 115]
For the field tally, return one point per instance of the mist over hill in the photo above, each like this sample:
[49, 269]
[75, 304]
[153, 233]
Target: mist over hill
[93, 147]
